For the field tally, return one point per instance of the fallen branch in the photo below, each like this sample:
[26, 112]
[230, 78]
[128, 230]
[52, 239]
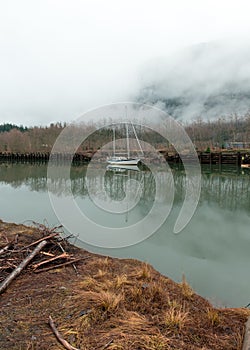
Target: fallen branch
[59, 337]
[11, 264]
[4, 249]
[63, 250]
[44, 228]
[61, 256]
[6, 267]
[61, 265]
[20, 267]
[47, 253]
[40, 240]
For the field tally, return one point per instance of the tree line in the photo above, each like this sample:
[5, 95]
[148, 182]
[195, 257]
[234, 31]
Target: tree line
[224, 132]
[8, 127]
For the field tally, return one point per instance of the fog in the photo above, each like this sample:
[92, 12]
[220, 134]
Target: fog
[208, 80]
[60, 58]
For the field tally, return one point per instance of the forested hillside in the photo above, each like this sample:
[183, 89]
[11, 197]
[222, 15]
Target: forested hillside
[224, 133]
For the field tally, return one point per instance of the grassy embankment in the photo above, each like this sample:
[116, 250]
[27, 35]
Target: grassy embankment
[109, 304]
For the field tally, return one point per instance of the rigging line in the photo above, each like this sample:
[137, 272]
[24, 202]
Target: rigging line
[137, 138]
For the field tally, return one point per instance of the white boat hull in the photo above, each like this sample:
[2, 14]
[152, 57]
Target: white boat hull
[121, 162]
[122, 168]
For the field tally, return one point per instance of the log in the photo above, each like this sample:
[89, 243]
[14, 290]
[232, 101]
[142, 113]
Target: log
[59, 337]
[20, 267]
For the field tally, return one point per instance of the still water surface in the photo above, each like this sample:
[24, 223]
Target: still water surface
[213, 251]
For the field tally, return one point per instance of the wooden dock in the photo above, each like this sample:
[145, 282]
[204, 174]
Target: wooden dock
[44, 157]
[213, 158]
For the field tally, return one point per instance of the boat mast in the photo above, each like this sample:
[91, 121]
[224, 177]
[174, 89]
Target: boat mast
[114, 141]
[127, 141]
[128, 150]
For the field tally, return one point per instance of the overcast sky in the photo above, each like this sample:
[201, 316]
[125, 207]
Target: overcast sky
[60, 58]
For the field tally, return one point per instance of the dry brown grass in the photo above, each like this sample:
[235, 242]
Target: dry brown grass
[144, 271]
[186, 289]
[104, 300]
[127, 302]
[121, 280]
[100, 274]
[157, 342]
[175, 318]
[213, 316]
[88, 282]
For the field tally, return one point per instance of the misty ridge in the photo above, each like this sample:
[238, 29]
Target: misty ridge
[209, 80]
[206, 87]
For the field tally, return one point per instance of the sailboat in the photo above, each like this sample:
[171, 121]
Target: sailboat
[121, 161]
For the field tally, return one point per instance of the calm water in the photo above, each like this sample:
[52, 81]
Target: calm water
[212, 251]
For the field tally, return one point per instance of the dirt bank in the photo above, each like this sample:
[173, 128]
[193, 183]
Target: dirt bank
[102, 303]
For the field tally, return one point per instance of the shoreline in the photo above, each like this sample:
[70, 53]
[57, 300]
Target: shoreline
[222, 157]
[124, 303]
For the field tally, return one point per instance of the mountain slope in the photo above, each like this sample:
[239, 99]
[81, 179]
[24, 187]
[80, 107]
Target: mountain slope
[208, 80]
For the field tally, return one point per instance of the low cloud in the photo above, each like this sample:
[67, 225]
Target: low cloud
[208, 80]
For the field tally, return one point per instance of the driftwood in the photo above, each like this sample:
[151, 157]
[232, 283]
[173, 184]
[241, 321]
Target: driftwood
[20, 267]
[61, 265]
[61, 256]
[59, 337]
[40, 240]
